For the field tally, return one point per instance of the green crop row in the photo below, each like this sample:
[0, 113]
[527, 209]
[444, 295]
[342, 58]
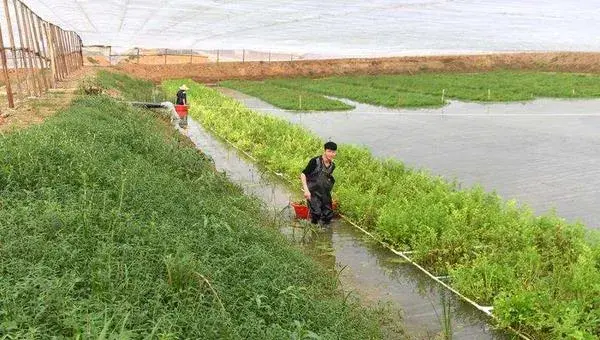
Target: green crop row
[432, 90]
[363, 93]
[286, 98]
[111, 226]
[540, 273]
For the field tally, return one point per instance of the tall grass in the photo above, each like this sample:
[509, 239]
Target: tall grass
[111, 228]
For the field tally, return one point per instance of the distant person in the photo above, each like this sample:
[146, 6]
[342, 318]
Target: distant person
[317, 182]
[182, 95]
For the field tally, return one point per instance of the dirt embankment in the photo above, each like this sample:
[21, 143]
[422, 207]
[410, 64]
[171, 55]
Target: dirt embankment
[212, 72]
[20, 74]
[30, 111]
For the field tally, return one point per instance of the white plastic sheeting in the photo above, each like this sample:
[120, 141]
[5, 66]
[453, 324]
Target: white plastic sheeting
[336, 27]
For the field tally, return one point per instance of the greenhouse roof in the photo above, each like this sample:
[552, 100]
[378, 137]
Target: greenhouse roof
[342, 27]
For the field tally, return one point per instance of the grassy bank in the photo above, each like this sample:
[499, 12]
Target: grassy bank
[432, 90]
[289, 98]
[129, 88]
[112, 228]
[539, 273]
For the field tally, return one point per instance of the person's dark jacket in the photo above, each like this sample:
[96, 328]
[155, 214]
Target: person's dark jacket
[181, 97]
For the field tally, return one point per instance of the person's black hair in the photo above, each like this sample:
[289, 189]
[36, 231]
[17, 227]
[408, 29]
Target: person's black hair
[330, 146]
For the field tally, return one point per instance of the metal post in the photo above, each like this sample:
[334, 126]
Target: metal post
[57, 52]
[28, 76]
[66, 51]
[30, 52]
[68, 38]
[51, 50]
[74, 39]
[80, 42]
[243, 55]
[217, 56]
[166, 56]
[63, 51]
[13, 46]
[9, 94]
[72, 50]
[36, 52]
[56, 49]
[36, 40]
[42, 48]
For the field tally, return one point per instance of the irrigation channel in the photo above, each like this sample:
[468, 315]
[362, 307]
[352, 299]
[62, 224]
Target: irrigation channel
[543, 153]
[366, 268]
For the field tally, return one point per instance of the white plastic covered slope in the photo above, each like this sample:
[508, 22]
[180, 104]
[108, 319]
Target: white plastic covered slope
[335, 27]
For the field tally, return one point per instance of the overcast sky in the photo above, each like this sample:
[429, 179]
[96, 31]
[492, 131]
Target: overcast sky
[342, 27]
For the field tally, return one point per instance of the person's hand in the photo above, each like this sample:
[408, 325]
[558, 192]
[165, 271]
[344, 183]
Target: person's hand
[307, 194]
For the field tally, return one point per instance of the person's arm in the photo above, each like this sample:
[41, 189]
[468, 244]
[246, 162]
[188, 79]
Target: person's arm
[310, 167]
[305, 186]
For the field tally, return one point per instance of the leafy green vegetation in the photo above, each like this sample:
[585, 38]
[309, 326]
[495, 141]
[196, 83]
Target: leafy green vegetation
[363, 93]
[286, 98]
[432, 90]
[113, 228]
[540, 274]
[129, 88]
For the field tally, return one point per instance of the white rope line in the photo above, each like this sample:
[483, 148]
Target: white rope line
[418, 112]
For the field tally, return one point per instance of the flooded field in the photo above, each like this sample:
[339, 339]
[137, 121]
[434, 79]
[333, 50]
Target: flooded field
[368, 270]
[543, 153]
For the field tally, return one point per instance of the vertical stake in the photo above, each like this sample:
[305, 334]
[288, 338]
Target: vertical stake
[13, 46]
[9, 94]
[23, 49]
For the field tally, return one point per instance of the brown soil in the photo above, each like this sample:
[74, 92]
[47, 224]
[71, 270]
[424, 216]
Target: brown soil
[21, 73]
[160, 60]
[34, 110]
[212, 72]
[95, 61]
[146, 60]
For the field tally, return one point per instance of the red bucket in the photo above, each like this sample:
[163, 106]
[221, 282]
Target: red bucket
[301, 210]
[303, 213]
[182, 110]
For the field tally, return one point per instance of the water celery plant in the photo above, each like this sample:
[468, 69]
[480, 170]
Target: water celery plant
[539, 272]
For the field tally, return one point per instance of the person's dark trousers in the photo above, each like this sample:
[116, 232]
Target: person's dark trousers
[320, 207]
